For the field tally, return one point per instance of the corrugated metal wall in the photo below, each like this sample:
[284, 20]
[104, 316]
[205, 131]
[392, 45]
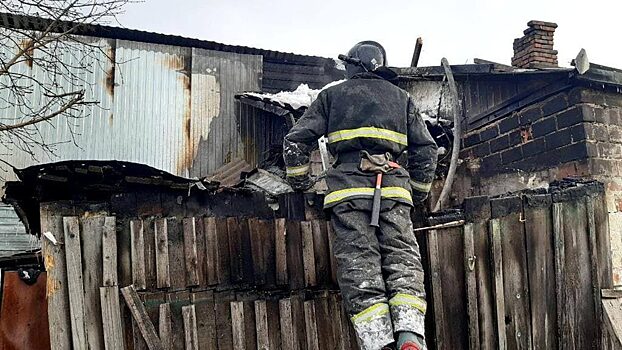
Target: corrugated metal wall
[168, 107]
[13, 236]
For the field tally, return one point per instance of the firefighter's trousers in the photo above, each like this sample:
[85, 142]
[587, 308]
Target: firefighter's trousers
[379, 271]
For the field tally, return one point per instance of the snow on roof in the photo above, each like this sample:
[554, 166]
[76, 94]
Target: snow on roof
[302, 97]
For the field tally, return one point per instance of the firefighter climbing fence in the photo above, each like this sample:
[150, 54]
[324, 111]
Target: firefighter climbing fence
[525, 271]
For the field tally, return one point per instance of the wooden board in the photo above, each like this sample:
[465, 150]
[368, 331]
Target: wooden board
[138, 254]
[470, 260]
[311, 326]
[235, 249]
[321, 252]
[112, 323]
[612, 323]
[280, 246]
[267, 321]
[308, 254]
[508, 212]
[243, 325]
[109, 252]
[202, 257]
[162, 254]
[257, 252]
[323, 322]
[177, 261]
[496, 249]
[223, 263]
[206, 319]
[73, 254]
[57, 289]
[223, 320]
[211, 250]
[190, 327]
[331, 253]
[266, 229]
[139, 313]
[149, 232]
[165, 326]
[295, 266]
[178, 301]
[92, 248]
[190, 252]
[541, 267]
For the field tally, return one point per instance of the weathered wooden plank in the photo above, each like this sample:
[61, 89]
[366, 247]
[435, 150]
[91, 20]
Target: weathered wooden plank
[470, 260]
[541, 266]
[190, 327]
[235, 249]
[257, 252]
[558, 243]
[73, 253]
[109, 252]
[331, 252]
[266, 229]
[267, 320]
[594, 264]
[340, 334]
[111, 318]
[308, 254]
[498, 292]
[138, 254]
[508, 212]
[201, 251]
[211, 250]
[612, 324]
[141, 317]
[222, 307]
[92, 258]
[223, 262]
[176, 256]
[206, 319]
[243, 325]
[57, 293]
[190, 252]
[321, 251]
[311, 326]
[149, 234]
[178, 300]
[280, 235]
[295, 265]
[288, 335]
[165, 327]
[437, 296]
[323, 322]
[162, 254]
[603, 240]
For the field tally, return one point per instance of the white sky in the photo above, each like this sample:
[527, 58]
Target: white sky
[457, 29]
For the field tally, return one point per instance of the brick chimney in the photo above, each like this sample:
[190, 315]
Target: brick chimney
[535, 48]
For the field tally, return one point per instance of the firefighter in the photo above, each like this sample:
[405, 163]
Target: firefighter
[369, 123]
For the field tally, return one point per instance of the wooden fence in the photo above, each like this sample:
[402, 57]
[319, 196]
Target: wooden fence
[524, 272]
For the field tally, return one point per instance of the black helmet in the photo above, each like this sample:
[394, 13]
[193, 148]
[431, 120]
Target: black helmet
[370, 55]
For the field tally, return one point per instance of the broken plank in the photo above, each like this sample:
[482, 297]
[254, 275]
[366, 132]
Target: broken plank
[73, 253]
[57, 291]
[141, 317]
[308, 254]
[109, 252]
[190, 327]
[165, 327]
[111, 318]
[280, 251]
[138, 254]
[267, 321]
[190, 252]
[162, 254]
[92, 248]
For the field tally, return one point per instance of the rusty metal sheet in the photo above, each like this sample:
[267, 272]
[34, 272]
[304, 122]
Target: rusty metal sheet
[24, 315]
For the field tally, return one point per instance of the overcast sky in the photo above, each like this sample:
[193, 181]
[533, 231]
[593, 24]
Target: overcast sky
[457, 29]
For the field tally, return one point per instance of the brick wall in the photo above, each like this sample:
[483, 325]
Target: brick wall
[577, 132]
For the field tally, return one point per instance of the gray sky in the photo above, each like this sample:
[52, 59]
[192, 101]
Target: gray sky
[457, 29]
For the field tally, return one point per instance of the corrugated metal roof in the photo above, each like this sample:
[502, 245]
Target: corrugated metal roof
[168, 107]
[13, 236]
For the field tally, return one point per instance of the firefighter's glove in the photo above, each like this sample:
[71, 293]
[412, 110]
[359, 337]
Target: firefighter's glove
[417, 195]
[301, 183]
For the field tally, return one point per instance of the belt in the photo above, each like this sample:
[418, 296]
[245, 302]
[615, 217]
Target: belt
[355, 157]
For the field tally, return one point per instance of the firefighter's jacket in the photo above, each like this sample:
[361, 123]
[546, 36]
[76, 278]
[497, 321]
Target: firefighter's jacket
[368, 113]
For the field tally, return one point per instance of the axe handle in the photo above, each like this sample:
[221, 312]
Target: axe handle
[375, 207]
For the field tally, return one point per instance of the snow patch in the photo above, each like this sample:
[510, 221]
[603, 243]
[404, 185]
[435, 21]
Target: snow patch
[302, 97]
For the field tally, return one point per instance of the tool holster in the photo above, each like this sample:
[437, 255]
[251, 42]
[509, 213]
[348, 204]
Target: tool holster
[379, 164]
